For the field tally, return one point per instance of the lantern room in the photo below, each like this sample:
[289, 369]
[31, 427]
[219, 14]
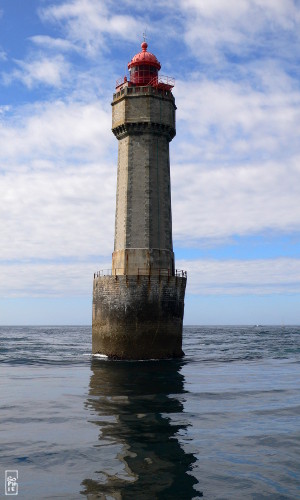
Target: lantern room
[143, 67]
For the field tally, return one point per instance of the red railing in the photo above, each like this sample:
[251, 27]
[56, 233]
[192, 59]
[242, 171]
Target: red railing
[121, 80]
[164, 82]
[160, 81]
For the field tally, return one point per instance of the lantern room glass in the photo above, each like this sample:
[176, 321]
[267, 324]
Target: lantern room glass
[142, 74]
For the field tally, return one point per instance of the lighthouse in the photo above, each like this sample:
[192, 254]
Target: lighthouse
[138, 306]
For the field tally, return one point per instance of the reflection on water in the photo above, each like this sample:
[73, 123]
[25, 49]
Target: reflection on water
[139, 414]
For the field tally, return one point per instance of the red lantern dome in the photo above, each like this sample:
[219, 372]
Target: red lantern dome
[143, 67]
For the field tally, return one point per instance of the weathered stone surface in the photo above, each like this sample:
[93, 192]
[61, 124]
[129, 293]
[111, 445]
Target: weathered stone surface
[143, 203]
[138, 317]
[143, 261]
[138, 311]
[143, 105]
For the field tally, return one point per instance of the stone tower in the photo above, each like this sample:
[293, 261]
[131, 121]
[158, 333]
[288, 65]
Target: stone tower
[138, 308]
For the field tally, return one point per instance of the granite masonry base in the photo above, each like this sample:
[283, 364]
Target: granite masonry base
[138, 317]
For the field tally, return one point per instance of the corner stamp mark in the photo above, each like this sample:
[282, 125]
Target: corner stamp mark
[11, 482]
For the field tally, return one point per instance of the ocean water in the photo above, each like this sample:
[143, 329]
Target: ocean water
[222, 423]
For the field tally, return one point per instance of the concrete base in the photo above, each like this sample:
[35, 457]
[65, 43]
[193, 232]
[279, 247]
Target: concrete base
[138, 317]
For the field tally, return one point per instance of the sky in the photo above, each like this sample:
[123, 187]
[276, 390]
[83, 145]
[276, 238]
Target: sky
[235, 161]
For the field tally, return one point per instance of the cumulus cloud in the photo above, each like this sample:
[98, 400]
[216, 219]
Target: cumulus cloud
[58, 182]
[234, 200]
[240, 147]
[61, 130]
[86, 22]
[217, 29]
[55, 214]
[56, 44]
[3, 56]
[48, 279]
[238, 277]
[233, 120]
[43, 70]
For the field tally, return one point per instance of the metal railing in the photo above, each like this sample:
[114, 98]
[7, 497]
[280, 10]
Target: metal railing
[178, 273]
[162, 81]
[121, 80]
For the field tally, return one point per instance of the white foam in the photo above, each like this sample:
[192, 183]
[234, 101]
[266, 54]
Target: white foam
[102, 356]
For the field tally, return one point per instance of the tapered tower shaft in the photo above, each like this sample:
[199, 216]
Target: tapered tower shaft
[144, 124]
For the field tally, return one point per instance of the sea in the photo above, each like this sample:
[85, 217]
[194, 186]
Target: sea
[221, 423]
